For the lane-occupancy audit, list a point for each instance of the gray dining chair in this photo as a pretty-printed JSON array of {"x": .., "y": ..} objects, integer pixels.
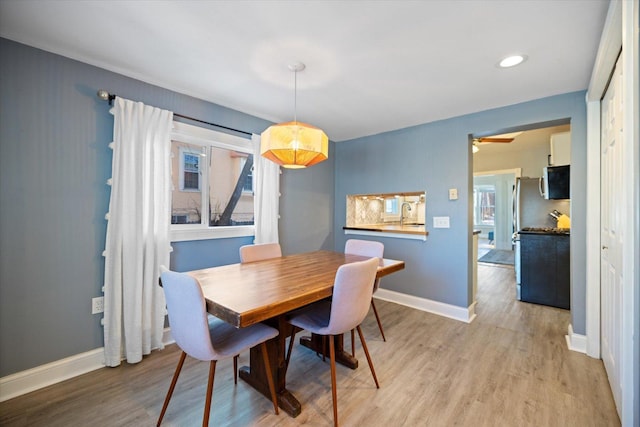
[
  {"x": 347, "y": 309},
  {"x": 253, "y": 253},
  {"x": 372, "y": 249},
  {"x": 207, "y": 338}
]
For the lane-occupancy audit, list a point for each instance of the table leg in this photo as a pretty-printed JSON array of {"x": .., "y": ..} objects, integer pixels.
[
  {"x": 314, "y": 342},
  {"x": 255, "y": 375}
]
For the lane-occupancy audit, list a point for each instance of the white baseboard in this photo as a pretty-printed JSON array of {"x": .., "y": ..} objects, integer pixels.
[
  {"x": 23, "y": 382},
  {"x": 447, "y": 310},
  {"x": 576, "y": 342},
  {"x": 42, "y": 376}
]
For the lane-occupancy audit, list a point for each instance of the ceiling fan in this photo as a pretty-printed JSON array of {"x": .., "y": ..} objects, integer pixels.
[
  {"x": 490, "y": 139},
  {"x": 504, "y": 138}
]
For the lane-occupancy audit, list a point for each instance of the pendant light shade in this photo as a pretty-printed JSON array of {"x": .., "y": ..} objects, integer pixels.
[{"x": 294, "y": 144}]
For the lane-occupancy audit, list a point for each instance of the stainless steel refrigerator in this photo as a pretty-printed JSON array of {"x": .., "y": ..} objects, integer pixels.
[{"x": 531, "y": 209}]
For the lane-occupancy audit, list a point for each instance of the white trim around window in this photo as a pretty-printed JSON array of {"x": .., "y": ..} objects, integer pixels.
[
  {"x": 208, "y": 138},
  {"x": 188, "y": 232}
]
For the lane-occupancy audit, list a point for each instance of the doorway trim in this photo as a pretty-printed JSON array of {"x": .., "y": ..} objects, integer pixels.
[
  {"x": 516, "y": 171},
  {"x": 621, "y": 29}
]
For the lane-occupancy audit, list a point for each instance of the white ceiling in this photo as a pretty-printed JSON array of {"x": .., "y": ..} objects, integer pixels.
[{"x": 372, "y": 66}]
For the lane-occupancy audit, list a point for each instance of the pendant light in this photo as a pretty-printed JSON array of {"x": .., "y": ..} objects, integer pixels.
[{"x": 294, "y": 144}]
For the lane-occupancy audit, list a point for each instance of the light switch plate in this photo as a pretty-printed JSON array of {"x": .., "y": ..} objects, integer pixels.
[
  {"x": 440, "y": 222},
  {"x": 453, "y": 194}
]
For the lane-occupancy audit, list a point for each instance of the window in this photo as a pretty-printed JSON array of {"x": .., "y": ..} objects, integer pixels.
[
  {"x": 391, "y": 209},
  {"x": 391, "y": 206},
  {"x": 189, "y": 170},
  {"x": 212, "y": 193},
  {"x": 484, "y": 205},
  {"x": 186, "y": 199}
]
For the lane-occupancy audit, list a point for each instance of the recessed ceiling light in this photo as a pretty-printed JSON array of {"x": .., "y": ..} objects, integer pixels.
[{"x": 512, "y": 61}]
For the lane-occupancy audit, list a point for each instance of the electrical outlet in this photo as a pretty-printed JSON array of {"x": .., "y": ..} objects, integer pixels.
[{"x": 97, "y": 305}]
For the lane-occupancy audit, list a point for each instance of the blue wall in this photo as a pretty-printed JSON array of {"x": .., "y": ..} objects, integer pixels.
[
  {"x": 206, "y": 253},
  {"x": 54, "y": 162},
  {"x": 435, "y": 157}
]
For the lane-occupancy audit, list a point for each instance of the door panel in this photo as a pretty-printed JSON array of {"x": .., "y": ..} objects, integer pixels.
[{"x": 611, "y": 232}]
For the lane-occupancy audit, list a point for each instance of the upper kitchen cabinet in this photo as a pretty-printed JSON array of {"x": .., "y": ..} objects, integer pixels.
[{"x": 560, "y": 149}]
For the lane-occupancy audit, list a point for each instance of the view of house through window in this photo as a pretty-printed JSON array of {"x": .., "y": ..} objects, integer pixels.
[
  {"x": 186, "y": 202},
  {"x": 189, "y": 174},
  {"x": 212, "y": 184}
]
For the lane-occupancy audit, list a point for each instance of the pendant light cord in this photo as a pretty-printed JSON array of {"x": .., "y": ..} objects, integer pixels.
[
  {"x": 295, "y": 96},
  {"x": 295, "y": 67}
]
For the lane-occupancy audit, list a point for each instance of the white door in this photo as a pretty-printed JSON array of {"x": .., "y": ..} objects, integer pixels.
[
  {"x": 503, "y": 211},
  {"x": 611, "y": 229}
]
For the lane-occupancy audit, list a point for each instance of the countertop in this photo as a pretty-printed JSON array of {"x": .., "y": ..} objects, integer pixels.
[
  {"x": 545, "y": 230},
  {"x": 418, "y": 229}
]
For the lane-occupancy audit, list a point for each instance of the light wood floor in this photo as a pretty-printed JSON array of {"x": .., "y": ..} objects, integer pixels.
[{"x": 509, "y": 367}]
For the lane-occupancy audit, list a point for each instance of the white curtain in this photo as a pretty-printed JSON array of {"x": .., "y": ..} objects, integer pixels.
[
  {"x": 267, "y": 196},
  {"x": 137, "y": 242}
]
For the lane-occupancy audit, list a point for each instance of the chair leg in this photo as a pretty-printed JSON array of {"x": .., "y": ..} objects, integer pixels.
[
  {"x": 235, "y": 369},
  {"x": 267, "y": 368},
  {"x": 207, "y": 402},
  {"x": 334, "y": 396},
  {"x": 324, "y": 346},
  {"x": 366, "y": 352},
  {"x": 353, "y": 344},
  {"x": 171, "y": 387},
  {"x": 378, "y": 319}
]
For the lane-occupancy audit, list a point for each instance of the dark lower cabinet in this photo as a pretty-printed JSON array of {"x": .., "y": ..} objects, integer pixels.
[{"x": 545, "y": 269}]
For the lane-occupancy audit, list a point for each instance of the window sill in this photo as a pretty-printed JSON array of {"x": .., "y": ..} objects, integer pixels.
[{"x": 180, "y": 234}]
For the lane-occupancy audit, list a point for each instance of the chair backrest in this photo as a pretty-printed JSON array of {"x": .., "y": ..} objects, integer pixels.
[
  {"x": 351, "y": 298},
  {"x": 365, "y": 248},
  {"x": 187, "y": 314},
  {"x": 251, "y": 253}
]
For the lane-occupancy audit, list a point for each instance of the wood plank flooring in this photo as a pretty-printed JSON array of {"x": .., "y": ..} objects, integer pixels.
[{"x": 509, "y": 367}]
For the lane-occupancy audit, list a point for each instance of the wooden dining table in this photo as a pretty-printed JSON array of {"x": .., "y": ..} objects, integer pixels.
[{"x": 265, "y": 291}]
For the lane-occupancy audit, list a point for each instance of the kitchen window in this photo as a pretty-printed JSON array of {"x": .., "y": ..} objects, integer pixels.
[
  {"x": 212, "y": 194},
  {"x": 391, "y": 209}
]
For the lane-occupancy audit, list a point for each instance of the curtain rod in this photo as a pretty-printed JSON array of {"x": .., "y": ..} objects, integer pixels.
[{"x": 106, "y": 96}]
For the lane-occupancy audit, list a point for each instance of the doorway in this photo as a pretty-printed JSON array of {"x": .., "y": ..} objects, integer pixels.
[
  {"x": 493, "y": 206},
  {"x": 493, "y": 215},
  {"x": 499, "y": 163}
]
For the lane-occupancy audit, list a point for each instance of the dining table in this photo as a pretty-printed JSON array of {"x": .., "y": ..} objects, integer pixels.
[{"x": 266, "y": 291}]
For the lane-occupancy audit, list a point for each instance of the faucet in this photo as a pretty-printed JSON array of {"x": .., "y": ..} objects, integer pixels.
[{"x": 408, "y": 205}]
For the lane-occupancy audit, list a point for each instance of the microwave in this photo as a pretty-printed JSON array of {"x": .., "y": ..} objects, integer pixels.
[{"x": 556, "y": 182}]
